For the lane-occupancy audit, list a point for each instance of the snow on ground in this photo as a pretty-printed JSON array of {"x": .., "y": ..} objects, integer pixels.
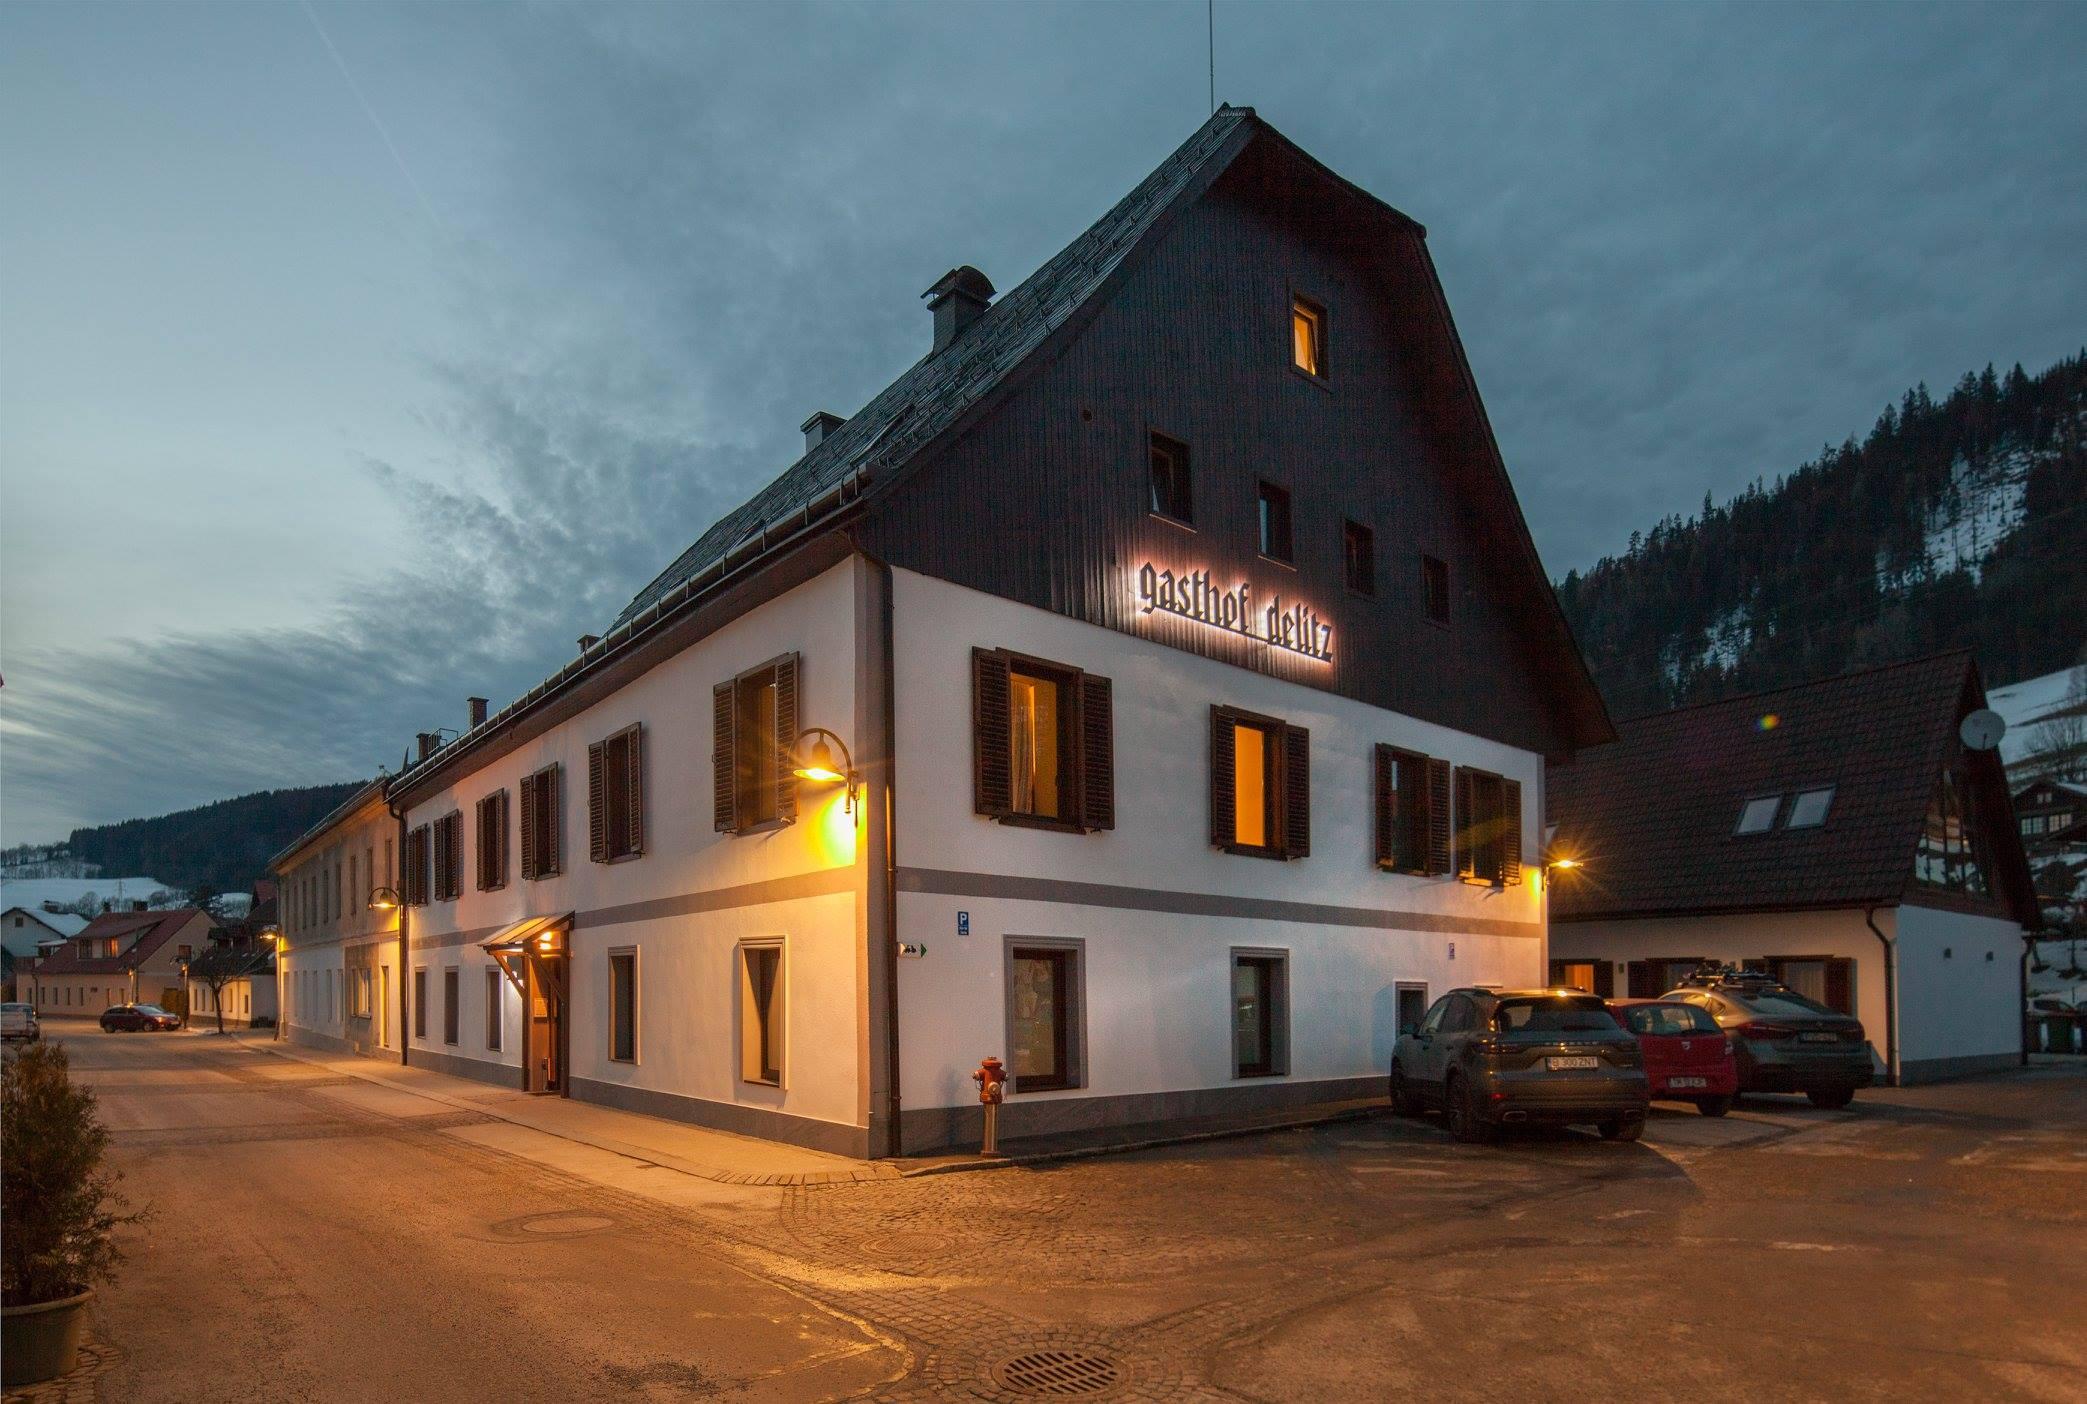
[
  {"x": 1985, "y": 502},
  {"x": 34, "y": 892},
  {"x": 2024, "y": 704}
]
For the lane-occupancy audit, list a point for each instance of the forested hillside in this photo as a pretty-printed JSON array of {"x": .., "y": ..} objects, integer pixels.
[
  {"x": 226, "y": 844},
  {"x": 1955, "y": 523}
]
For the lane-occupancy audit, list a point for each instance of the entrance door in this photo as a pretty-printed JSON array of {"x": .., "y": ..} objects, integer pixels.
[{"x": 545, "y": 1002}]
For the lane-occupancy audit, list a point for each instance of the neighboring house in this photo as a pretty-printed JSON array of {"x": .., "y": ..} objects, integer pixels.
[
  {"x": 1197, "y": 672},
  {"x": 1838, "y": 833},
  {"x": 240, "y": 975},
  {"x": 117, "y": 958},
  {"x": 2052, "y": 818},
  {"x": 23, "y": 929},
  {"x": 334, "y": 902}
]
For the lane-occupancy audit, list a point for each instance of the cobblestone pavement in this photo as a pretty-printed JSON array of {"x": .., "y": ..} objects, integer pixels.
[{"x": 1907, "y": 1247}]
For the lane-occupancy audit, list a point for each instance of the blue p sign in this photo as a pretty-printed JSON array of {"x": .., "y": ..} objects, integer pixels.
[{"x": 963, "y": 923}]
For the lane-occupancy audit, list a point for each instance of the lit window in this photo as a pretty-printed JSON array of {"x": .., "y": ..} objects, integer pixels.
[
  {"x": 1434, "y": 589},
  {"x": 1759, "y": 815},
  {"x": 1808, "y": 810},
  {"x": 753, "y": 751},
  {"x": 1039, "y": 736},
  {"x": 761, "y": 1014},
  {"x": 1172, "y": 494},
  {"x": 1308, "y": 336},
  {"x": 1359, "y": 557},
  {"x": 1275, "y": 522},
  {"x": 623, "y": 1006},
  {"x": 1253, "y": 779}
]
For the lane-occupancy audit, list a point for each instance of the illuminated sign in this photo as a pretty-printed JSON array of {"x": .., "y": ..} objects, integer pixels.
[{"x": 1294, "y": 628}]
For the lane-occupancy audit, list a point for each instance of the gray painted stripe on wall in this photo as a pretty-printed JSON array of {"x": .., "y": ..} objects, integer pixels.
[
  {"x": 944, "y": 883},
  {"x": 826, "y": 882}
]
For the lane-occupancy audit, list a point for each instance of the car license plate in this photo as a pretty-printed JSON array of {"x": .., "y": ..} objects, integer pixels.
[
  {"x": 1688, "y": 1082},
  {"x": 1560, "y": 1064},
  {"x": 1819, "y": 1038}
]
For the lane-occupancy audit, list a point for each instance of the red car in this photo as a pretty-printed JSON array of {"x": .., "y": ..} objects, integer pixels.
[
  {"x": 1687, "y": 1056},
  {"x": 137, "y": 1018}
]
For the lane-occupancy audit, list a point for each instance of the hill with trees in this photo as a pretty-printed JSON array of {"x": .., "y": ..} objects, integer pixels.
[
  {"x": 224, "y": 846},
  {"x": 1954, "y": 523}
]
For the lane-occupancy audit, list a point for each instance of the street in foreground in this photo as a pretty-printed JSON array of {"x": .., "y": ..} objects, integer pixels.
[{"x": 319, "y": 1236}]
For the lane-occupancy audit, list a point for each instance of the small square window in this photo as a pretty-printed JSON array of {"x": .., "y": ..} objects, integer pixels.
[
  {"x": 1434, "y": 589},
  {"x": 1275, "y": 522},
  {"x": 1308, "y": 336},
  {"x": 1759, "y": 815},
  {"x": 1808, "y": 810},
  {"x": 1359, "y": 557},
  {"x": 1172, "y": 492}
]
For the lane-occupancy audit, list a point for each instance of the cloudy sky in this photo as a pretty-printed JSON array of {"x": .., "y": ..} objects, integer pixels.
[{"x": 355, "y": 358}]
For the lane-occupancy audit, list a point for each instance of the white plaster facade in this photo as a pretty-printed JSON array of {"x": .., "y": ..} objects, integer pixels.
[{"x": 329, "y": 929}]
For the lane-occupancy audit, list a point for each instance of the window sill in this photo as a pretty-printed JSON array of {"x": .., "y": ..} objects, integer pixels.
[
  {"x": 1323, "y": 382},
  {"x": 1244, "y": 851},
  {"x": 1039, "y": 821},
  {"x": 1254, "y": 1075},
  {"x": 1171, "y": 521},
  {"x": 766, "y": 826},
  {"x": 1050, "y": 1086},
  {"x": 1275, "y": 560},
  {"x": 762, "y": 1082},
  {"x": 622, "y": 858}
]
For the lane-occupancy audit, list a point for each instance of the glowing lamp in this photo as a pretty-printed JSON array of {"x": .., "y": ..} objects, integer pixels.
[
  {"x": 818, "y": 764},
  {"x": 815, "y": 763},
  {"x": 383, "y": 899}
]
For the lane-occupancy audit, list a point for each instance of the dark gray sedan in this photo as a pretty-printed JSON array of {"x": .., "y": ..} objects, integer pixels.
[{"x": 1493, "y": 1058}]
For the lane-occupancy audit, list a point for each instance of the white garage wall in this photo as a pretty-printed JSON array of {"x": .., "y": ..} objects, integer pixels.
[{"x": 1960, "y": 991}]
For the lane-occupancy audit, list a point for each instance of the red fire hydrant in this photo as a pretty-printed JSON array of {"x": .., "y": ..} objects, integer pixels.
[{"x": 992, "y": 1088}]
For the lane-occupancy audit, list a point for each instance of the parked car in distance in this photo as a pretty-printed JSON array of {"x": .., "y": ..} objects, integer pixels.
[
  {"x": 18, "y": 1023},
  {"x": 137, "y": 1018},
  {"x": 1781, "y": 1040},
  {"x": 1687, "y": 1056},
  {"x": 1494, "y": 1058}
]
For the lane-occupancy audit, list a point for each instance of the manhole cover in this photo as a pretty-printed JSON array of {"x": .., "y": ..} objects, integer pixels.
[
  {"x": 1057, "y": 1372},
  {"x": 557, "y": 1223},
  {"x": 910, "y": 1243}
]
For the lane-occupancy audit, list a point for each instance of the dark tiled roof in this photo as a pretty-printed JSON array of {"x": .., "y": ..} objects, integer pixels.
[
  {"x": 936, "y": 391},
  {"x": 1653, "y": 814},
  {"x": 152, "y": 930}
]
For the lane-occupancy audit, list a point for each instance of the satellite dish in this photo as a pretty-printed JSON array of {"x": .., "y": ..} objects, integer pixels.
[{"x": 1982, "y": 729}]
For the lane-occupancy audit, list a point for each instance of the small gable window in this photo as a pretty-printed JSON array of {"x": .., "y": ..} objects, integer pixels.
[
  {"x": 1808, "y": 810},
  {"x": 1172, "y": 496},
  {"x": 1759, "y": 815},
  {"x": 1308, "y": 336}
]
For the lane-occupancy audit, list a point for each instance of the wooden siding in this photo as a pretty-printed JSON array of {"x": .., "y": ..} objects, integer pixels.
[{"x": 1044, "y": 500}]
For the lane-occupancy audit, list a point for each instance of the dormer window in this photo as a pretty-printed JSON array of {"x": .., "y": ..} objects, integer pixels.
[
  {"x": 1308, "y": 337},
  {"x": 1759, "y": 815},
  {"x": 1808, "y": 810}
]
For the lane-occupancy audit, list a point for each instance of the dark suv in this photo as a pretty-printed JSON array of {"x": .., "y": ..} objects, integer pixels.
[
  {"x": 1490, "y": 1058},
  {"x": 1782, "y": 1041}
]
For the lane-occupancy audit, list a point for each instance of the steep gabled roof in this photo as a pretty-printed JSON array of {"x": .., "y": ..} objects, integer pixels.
[
  {"x": 152, "y": 931},
  {"x": 939, "y": 389},
  {"x": 1654, "y": 816}
]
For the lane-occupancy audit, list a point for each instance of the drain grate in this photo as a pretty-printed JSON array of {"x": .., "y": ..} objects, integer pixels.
[{"x": 1057, "y": 1372}]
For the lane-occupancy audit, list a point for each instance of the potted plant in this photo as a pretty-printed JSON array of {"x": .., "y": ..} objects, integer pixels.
[{"x": 58, "y": 1213}]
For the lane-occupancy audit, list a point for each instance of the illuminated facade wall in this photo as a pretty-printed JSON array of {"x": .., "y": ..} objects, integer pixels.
[
  {"x": 329, "y": 928},
  {"x": 1157, "y": 1012}
]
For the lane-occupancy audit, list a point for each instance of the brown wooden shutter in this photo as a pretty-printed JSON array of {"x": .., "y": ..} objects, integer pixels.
[
  {"x": 1605, "y": 979},
  {"x": 1224, "y": 781},
  {"x": 1510, "y": 822},
  {"x": 724, "y": 776},
  {"x": 634, "y": 788},
  {"x": 441, "y": 851},
  {"x": 530, "y": 819},
  {"x": 786, "y": 737},
  {"x": 992, "y": 778},
  {"x": 1438, "y": 816},
  {"x": 1097, "y": 732},
  {"x": 552, "y": 821},
  {"x": 1644, "y": 980},
  {"x": 1840, "y": 986},
  {"x": 1463, "y": 828},
  {"x": 1297, "y": 792},
  {"x": 1385, "y": 798},
  {"x": 598, "y": 801}
]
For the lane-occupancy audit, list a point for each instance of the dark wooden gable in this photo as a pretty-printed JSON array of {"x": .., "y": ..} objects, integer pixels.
[{"x": 1045, "y": 499}]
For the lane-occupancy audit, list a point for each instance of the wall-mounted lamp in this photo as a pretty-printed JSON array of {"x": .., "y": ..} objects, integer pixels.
[
  {"x": 383, "y": 899},
  {"x": 817, "y": 764}
]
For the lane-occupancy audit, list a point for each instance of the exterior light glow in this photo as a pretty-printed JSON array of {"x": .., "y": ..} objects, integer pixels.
[
  {"x": 818, "y": 765},
  {"x": 1566, "y": 863},
  {"x": 383, "y": 899},
  {"x": 815, "y": 763}
]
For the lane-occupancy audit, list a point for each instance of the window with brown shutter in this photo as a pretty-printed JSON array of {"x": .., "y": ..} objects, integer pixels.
[
  {"x": 539, "y": 828},
  {"x": 1438, "y": 815},
  {"x": 1260, "y": 785},
  {"x": 1402, "y": 810},
  {"x": 616, "y": 795},
  {"x": 492, "y": 841},
  {"x": 449, "y": 857},
  {"x": 1043, "y": 742},
  {"x": 1488, "y": 827},
  {"x": 753, "y": 747},
  {"x": 416, "y": 874}
]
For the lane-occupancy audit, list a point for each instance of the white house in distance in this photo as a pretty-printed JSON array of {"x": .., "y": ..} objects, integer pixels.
[
  {"x": 1172, "y": 672},
  {"x": 1838, "y": 833},
  {"x": 337, "y": 914}
]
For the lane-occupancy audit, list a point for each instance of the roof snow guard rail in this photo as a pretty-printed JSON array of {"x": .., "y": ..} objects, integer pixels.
[{"x": 782, "y": 530}]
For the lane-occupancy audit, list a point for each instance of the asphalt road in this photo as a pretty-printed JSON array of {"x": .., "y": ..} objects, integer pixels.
[{"x": 321, "y": 1238}]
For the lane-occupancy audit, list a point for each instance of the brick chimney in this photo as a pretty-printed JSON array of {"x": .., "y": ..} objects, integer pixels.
[
  {"x": 959, "y": 298},
  {"x": 478, "y": 710}
]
